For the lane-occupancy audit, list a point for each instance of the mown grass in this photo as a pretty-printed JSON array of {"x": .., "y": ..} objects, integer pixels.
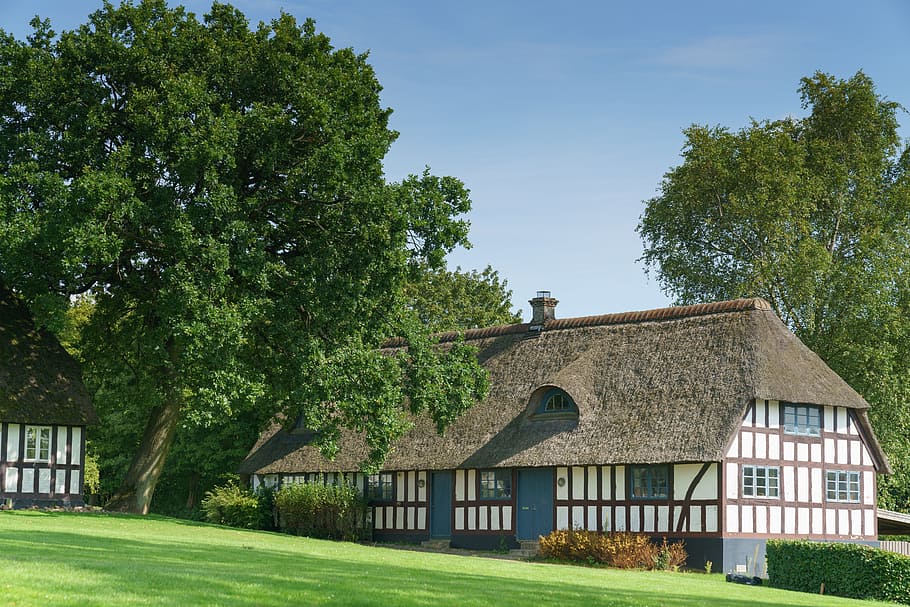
[{"x": 52, "y": 559}]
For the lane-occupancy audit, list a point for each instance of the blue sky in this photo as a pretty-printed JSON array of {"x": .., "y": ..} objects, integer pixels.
[{"x": 562, "y": 117}]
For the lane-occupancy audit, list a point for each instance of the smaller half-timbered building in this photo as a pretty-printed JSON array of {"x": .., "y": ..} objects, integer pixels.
[
  {"x": 709, "y": 423},
  {"x": 44, "y": 410}
]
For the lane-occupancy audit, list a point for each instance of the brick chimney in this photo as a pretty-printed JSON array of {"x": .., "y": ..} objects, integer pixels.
[{"x": 543, "y": 307}]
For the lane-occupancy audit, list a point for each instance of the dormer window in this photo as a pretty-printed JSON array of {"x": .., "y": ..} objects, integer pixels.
[{"x": 552, "y": 402}]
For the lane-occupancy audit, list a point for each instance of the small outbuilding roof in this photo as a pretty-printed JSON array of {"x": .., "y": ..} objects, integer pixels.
[
  {"x": 40, "y": 382},
  {"x": 665, "y": 385}
]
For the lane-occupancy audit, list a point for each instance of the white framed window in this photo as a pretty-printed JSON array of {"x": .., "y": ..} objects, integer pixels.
[
  {"x": 761, "y": 481},
  {"x": 37, "y": 443},
  {"x": 842, "y": 486},
  {"x": 802, "y": 420}
]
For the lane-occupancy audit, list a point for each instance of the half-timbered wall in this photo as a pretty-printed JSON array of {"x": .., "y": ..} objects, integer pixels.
[
  {"x": 474, "y": 515},
  {"x": 597, "y": 498},
  {"x": 405, "y": 512},
  {"x": 802, "y": 507},
  {"x": 56, "y": 477}
]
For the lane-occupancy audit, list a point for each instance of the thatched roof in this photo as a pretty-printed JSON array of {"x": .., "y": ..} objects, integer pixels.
[
  {"x": 667, "y": 385},
  {"x": 39, "y": 382}
]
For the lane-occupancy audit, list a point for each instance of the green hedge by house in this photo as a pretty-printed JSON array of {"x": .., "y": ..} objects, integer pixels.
[
  {"x": 848, "y": 570},
  {"x": 323, "y": 511},
  {"x": 236, "y": 506}
]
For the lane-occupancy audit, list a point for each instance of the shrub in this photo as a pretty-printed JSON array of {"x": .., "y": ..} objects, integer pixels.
[
  {"x": 848, "y": 570},
  {"x": 323, "y": 511},
  {"x": 622, "y": 550},
  {"x": 233, "y": 506}
]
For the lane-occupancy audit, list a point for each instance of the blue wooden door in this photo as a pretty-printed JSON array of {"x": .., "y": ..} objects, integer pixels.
[
  {"x": 441, "y": 504},
  {"x": 534, "y": 503}
]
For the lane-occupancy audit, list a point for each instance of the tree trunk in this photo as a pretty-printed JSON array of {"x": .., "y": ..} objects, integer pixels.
[
  {"x": 195, "y": 479},
  {"x": 138, "y": 486}
]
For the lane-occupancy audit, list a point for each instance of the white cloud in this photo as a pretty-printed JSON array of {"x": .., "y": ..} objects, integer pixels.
[{"x": 722, "y": 52}]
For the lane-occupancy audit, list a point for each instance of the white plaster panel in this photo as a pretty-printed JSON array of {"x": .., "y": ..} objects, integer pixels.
[
  {"x": 841, "y": 420},
  {"x": 761, "y": 520},
  {"x": 817, "y": 486},
  {"x": 711, "y": 519},
  {"x": 773, "y": 414},
  {"x": 773, "y": 446},
  {"x": 818, "y": 521},
  {"x": 855, "y": 457},
  {"x": 592, "y": 483},
  {"x": 411, "y": 485},
  {"x": 803, "y": 519},
  {"x": 707, "y": 487},
  {"x": 76, "y": 482},
  {"x": 472, "y": 485},
  {"x": 578, "y": 483},
  {"x": 747, "y": 523},
  {"x": 856, "y": 522},
  {"x": 459, "y": 519},
  {"x": 843, "y": 522},
  {"x": 60, "y": 482},
  {"x": 869, "y": 487},
  {"x": 677, "y": 514},
  {"x": 605, "y": 483},
  {"x": 761, "y": 409},
  {"x": 620, "y": 482},
  {"x": 12, "y": 443},
  {"x": 789, "y": 520},
  {"x": 802, "y": 484},
  {"x": 399, "y": 517},
  {"x": 802, "y": 452},
  {"x": 605, "y": 518},
  {"x": 28, "y": 480},
  {"x": 732, "y": 518},
  {"x": 412, "y": 517},
  {"x": 562, "y": 517},
  {"x": 649, "y": 520},
  {"x": 663, "y": 519},
  {"x": 869, "y": 520},
  {"x": 399, "y": 484},
  {"x": 459, "y": 486},
  {"x": 494, "y": 518},
  {"x": 843, "y": 455},
  {"x": 789, "y": 451},
  {"x": 60, "y": 455},
  {"x": 507, "y": 518},
  {"x": 775, "y": 522},
  {"x": 562, "y": 493},
  {"x": 831, "y": 522},
  {"x": 867, "y": 457},
  {"x": 621, "y": 519},
  {"x": 815, "y": 453},
  {"x": 482, "y": 523},
  {"x": 828, "y": 414},
  {"x": 695, "y": 519},
  {"x": 733, "y": 451},
  {"x": 732, "y": 481},
  {"x": 422, "y": 491},
  {"x": 634, "y": 516},
  {"x": 472, "y": 518},
  {"x": 592, "y": 518},
  {"x": 747, "y": 420},
  {"x": 421, "y": 518},
  {"x": 747, "y": 440},
  {"x": 683, "y": 475},
  {"x": 11, "y": 480},
  {"x": 761, "y": 446},
  {"x": 377, "y": 518},
  {"x": 789, "y": 484},
  {"x": 830, "y": 451}
]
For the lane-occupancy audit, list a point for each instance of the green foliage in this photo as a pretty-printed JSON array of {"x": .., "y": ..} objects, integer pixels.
[
  {"x": 456, "y": 300},
  {"x": 323, "y": 511},
  {"x": 812, "y": 214},
  {"x": 849, "y": 570},
  {"x": 91, "y": 476},
  {"x": 218, "y": 192},
  {"x": 894, "y": 538},
  {"x": 621, "y": 550},
  {"x": 233, "y": 506}
]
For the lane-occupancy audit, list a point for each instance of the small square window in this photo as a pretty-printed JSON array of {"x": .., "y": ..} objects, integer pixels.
[
  {"x": 495, "y": 484},
  {"x": 761, "y": 481},
  {"x": 842, "y": 486},
  {"x": 802, "y": 420},
  {"x": 379, "y": 487},
  {"x": 650, "y": 482},
  {"x": 38, "y": 443}
]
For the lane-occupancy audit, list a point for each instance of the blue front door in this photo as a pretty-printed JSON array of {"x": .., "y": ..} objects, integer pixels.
[
  {"x": 441, "y": 504},
  {"x": 534, "y": 503}
]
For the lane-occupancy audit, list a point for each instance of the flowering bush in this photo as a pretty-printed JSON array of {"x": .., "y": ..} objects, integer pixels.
[{"x": 622, "y": 550}]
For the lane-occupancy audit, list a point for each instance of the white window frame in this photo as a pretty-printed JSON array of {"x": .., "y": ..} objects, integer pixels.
[
  {"x": 842, "y": 482},
  {"x": 802, "y": 420},
  {"x": 761, "y": 482},
  {"x": 38, "y": 444}
]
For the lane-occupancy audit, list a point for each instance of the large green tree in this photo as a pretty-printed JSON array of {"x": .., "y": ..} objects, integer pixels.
[
  {"x": 812, "y": 214},
  {"x": 218, "y": 190}
]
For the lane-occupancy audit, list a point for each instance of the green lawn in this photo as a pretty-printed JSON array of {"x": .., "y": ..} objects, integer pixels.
[{"x": 51, "y": 559}]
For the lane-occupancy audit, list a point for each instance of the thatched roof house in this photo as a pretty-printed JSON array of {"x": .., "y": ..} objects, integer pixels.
[
  {"x": 674, "y": 388},
  {"x": 44, "y": 408}
]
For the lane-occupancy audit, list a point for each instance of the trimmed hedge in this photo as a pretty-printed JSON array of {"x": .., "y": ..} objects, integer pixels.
[
  {"x": 323, "y": 511},
  {"x": 848, "y": 570}
]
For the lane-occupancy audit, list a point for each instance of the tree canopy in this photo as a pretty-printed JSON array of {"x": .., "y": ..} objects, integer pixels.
[
  {"x": 218, "y": 190},
  {"x": 812, "y": 214}
]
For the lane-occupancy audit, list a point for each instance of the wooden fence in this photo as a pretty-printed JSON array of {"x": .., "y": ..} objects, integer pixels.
[{"x": 898, "y": 547}]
